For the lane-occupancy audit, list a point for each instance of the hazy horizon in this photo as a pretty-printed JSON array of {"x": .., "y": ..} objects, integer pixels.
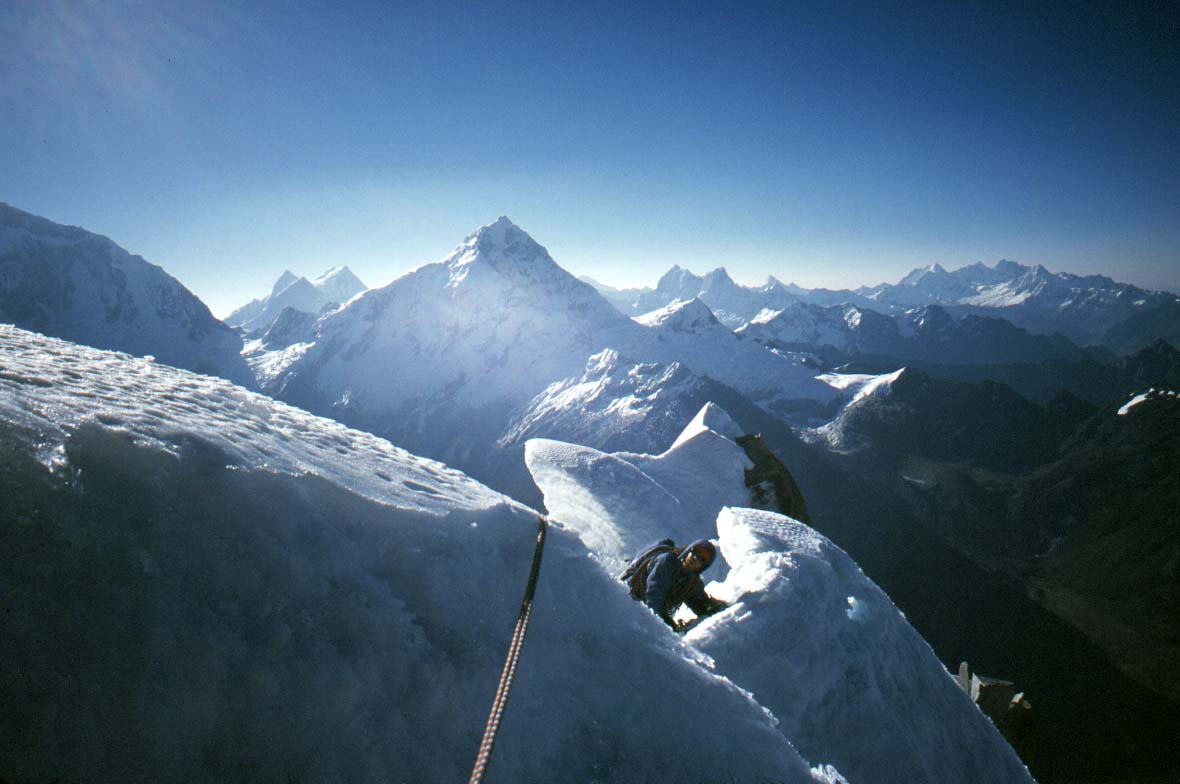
[{"x": 831, "y": 146}]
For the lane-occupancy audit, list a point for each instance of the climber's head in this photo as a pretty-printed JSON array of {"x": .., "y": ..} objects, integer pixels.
[{"x": 698, "y": 556}]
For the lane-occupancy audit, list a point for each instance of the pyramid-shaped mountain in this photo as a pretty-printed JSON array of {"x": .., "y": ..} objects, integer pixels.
[{"x": 442, "y": 359}]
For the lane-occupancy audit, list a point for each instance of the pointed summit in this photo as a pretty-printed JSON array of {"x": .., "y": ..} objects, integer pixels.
[
  {"x": 499, "y": 232},
  {"x": 711, "y": 417},
  {"x": 920, "y": 274},
  {"x": 503, "y": 246},
  {"x": 717, "y": 279},
  {"x": 678, "y": 281},
  {"x": 285, "y": 280},
  {"x": 339, "y": 284},
  {"x": 682, "y": 315},
  {"x": 1010, "y": 269}
]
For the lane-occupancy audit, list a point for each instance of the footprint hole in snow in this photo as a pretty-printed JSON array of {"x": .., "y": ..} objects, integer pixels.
[{"x": 419, "y": 488}]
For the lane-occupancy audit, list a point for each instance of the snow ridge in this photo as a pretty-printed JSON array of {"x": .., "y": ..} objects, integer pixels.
[{"x": 807, "y": 634}]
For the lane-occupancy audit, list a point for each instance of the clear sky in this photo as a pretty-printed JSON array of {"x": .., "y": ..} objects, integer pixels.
[{"x": 827, "y": 144}]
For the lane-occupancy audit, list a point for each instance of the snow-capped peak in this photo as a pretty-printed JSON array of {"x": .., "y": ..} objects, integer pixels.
[
  {"x": 918, "y": 275},
  {"x": 503, "y": 246},
  {"x": 1010, "y": 268},
  {"x": 681, "y": 315},
  {"x": 498, "y": 235},
  {"x": 710, "y": 417},
  {"x": 338, "y": 284},
  {"x": 717, "y": 278},
  {"x": 285, "y": 280},
  {"x": 676, "y": 280}
]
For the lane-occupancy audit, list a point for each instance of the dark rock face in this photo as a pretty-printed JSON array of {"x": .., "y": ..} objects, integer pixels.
[
  {"x": 292, "y": 326},
  {"x": 771, "y": 484},
  {"x": 1008, "y": 709},
  {"x": 1143, "y": 329}
]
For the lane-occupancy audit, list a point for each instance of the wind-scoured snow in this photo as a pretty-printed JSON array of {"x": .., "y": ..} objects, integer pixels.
[
  {"x": 200, "y": 584},
  {"x": 858, "y": 385},
  {"x": 807, "y": 633},
  {"x": 53, "y": 388}
]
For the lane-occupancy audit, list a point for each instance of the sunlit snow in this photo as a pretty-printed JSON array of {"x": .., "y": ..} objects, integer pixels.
[{"x": 808, "y": 634}]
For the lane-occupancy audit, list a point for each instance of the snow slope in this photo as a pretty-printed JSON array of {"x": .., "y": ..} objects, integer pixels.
[
  {"x": 688, "y": 329},
  {"x": 201, "y": 584},
  {"x": 70, "y": 283},
  {"x": 807, "y": 633},
  {"x": 615, "y": 401}
]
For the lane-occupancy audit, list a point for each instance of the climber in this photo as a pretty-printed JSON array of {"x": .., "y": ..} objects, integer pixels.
[{"x": 664, "y": 576}]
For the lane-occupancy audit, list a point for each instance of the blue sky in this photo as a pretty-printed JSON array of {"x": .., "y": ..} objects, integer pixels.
[{"x": 830, "y": 146}]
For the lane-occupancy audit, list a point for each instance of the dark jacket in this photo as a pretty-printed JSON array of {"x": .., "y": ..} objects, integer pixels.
[{"x": 669, "y": 585}]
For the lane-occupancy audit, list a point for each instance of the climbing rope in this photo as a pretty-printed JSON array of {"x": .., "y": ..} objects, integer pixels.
[{"x": 509, "y": 673}]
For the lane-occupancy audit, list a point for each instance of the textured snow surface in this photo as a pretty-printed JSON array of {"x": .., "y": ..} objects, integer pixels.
[
  {"x": 852, "y": 683},
  {"x": 200, "y": 584},
  {"x": 808, "y": 634},
  {"x": 53, "y": 387}
]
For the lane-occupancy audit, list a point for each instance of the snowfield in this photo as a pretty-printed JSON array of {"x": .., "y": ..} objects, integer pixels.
[{"x": 202, "y": 584}]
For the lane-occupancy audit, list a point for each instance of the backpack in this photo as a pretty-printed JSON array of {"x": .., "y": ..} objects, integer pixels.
[{"x": 637, "y": 570}]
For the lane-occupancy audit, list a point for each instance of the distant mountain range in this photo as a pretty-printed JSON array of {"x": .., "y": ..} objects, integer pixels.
[
  {"x": 333, "y": 287},
  {"x": 928, "y": 333},
  {"x": 1082, "y": 308}
]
